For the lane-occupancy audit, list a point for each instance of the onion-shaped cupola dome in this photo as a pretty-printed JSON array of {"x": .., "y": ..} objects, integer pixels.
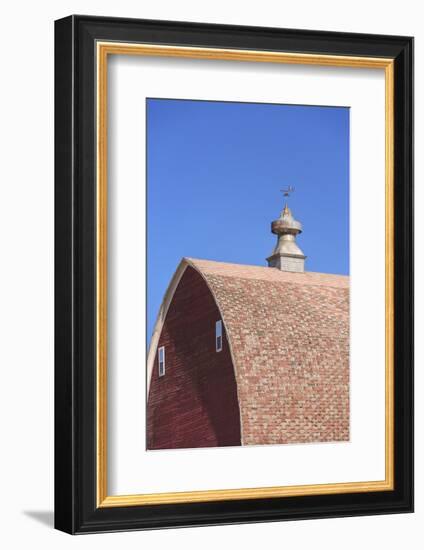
[{"x": 287, "y": 255}]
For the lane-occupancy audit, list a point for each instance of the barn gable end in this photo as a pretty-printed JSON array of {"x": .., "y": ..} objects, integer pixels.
[{"x": 194, "y": 404}]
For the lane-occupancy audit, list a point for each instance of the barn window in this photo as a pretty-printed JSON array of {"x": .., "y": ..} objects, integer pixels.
[
  {"x": 218, "y": 335},
  {"x": 161, "y": 360}
]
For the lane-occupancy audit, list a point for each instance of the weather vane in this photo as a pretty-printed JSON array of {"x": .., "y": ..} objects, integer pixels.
[{"x": 288, "y": 191}]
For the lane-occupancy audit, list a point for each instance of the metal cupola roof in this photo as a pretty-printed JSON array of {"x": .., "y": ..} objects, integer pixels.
[{"x": 287, "y": 255}]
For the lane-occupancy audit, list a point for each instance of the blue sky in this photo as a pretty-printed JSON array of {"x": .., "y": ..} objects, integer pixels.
[{"x": 214, "y": 174}]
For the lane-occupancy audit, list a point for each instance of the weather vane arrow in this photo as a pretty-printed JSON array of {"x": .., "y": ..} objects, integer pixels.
[{"x": 288, "y": 191}]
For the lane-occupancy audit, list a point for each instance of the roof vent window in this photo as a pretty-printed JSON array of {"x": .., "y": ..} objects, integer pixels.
[
  {"x": 161, "y": 360},
  {"x": 218, "y": 335}
]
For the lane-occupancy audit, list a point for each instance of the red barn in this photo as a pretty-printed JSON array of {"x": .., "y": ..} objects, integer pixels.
[{"x": 248, "y": 355}]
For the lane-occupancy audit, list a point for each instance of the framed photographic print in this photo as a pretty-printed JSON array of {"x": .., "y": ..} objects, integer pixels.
[{"x": 234, "y": 270}]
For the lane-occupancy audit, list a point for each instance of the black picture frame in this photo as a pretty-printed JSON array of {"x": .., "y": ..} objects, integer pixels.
[{"x": 76, "y": 508}]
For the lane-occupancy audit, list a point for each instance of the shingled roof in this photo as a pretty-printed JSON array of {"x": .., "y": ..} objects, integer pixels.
[{"x": 289, "y": 340}]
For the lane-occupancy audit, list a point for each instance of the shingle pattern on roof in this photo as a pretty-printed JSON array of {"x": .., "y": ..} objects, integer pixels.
[{"x": 289, "y": 336}]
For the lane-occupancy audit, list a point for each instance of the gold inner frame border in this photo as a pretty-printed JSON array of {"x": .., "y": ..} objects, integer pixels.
[{"x": 103, "y": 50}]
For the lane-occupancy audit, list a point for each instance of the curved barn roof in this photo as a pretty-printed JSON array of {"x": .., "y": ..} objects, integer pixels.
[{"x": 289, "y": 340}]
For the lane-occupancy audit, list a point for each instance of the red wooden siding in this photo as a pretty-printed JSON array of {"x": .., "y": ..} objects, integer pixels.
[{"x": 195, "y": 403}]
